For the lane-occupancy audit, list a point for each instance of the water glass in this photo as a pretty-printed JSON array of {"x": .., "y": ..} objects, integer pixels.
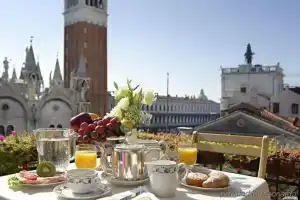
[
  {"x": 187, "y": 153},
  {"x": 86, "y": 156},
  {"x": 53, "y": 145}
]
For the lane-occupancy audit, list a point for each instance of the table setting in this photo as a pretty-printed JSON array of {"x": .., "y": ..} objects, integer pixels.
[{"x": 128, "y": 167}]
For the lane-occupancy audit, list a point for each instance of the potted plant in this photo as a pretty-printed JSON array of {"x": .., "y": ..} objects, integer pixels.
[{"x": 284, "y": 163}]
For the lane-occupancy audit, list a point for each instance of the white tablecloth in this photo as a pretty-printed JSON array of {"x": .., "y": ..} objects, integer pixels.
[{"x": 242, "y": 188}]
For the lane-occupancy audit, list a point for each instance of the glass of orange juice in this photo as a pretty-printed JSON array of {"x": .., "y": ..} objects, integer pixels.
[
  {"x": 86, "y": 156},
  {"x": 187, "y": 153}
]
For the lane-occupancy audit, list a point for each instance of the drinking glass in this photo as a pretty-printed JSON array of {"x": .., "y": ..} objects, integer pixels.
[
  {"x": 53, "y": 145},
  {"x": 187, "y": 153},
  {"x": 86, "y": 156}
]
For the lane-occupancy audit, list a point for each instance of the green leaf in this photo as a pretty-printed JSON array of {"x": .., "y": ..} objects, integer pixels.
[
  {"x": 136, "y": 87},
  {"x": 14, "y": 183},
  {"x": 116, "y": 85},
  {"x": 129, "y": 85}
]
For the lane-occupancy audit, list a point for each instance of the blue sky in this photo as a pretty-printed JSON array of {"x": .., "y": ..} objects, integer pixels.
[{"x": 190, "y": 39}]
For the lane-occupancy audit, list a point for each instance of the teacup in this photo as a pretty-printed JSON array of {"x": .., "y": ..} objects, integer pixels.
[
  {"x": 164, "y": 176},
  {"x": 82, "y": 181}
]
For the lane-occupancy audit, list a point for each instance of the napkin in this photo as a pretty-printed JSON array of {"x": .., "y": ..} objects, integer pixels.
[{"x": 140, "y": 193}]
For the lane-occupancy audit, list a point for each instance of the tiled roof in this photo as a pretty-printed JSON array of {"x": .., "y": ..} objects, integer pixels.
[
  {"x": 294, "y": 120},
  {"x": 280, "y": 122},
  {"x": 266, "y": 116}
]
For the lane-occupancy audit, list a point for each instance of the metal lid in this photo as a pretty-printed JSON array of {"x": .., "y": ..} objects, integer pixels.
[
  {"x": 148, "y": 142},
  {"x": 129, "y": 147}
]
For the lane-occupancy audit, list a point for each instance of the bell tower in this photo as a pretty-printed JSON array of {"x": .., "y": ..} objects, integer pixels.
[{"x": 86, "y": 33}]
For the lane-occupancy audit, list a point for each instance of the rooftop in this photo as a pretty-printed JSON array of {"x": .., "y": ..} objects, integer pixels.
[{"x": 249, "y": 68}]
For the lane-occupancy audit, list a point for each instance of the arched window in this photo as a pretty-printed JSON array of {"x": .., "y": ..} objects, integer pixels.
[
  {"x": 51, "y": 126},
  {"x": 59, "y": 126},
  {"x": 9, "y": 129},
  {"x": 2, "y": 130}
]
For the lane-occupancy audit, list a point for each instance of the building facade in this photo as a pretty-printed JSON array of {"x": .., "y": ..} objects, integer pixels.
[
  {"x": 26, "y": 105},
  {"x": 260, "y": 86},
  {"x": 86, "y": 33},
  {"x": 172, "y": 112},
  {"x": 249, "y": 83}
]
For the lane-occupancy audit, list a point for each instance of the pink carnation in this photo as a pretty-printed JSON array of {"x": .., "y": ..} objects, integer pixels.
[
  {"x": 14, "y": 132},
  {"x": 2, "y": 137}
]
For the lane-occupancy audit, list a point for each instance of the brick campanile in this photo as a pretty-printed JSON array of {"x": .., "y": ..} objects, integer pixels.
[{"x": 86, "y": 33}]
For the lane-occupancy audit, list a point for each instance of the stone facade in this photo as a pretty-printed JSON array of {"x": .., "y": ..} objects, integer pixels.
[
  {"x": 260, "y": 86},
  {"x": 25, "y": 105}
]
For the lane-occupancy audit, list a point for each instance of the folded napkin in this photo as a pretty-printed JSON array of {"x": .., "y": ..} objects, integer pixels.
[{"x": 135, "y": 194}]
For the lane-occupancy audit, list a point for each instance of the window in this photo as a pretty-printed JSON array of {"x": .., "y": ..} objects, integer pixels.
[
  {"x": 295, "y": 108},
  {"x": 243, "y": 89},
  {"x": 85, "y": 45},
  {"x": 85, "y": 30},
  {"x": 51, "y": 126},
  {"x": 59, "y": 126},
  {"x": 275, "y": 108},
  {"x": 2, "y": 130},
  {"x": 9, "y": 129}
]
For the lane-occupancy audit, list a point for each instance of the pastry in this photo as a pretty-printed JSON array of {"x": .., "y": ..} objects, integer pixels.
[
  {"x": 196, "y": 179},
  {"x": 216, "y": 180}
]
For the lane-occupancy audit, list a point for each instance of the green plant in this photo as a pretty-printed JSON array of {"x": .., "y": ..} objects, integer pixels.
[{"x": 16, "y": 150}]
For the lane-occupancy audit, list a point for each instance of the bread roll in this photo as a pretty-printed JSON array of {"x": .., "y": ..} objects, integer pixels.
[
  {"x": 216, "y": 180},
  {"x": 196, "y": 179}
]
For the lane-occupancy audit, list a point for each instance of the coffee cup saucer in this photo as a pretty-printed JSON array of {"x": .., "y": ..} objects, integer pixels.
[
  {"x": 123, "y": 183},
  {"x": 64, "y": 191}
]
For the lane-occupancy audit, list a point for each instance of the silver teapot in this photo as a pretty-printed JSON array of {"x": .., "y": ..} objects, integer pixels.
[{"x": 127, "y": 161}]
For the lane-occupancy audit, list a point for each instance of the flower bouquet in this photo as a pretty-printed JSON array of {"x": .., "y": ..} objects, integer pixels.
[{"x": 129, "y": 103}]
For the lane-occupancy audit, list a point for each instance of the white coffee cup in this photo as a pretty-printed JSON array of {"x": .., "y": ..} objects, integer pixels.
[
  {"x": 164, "y": 177},
  {"x": 82, "y": 181}
]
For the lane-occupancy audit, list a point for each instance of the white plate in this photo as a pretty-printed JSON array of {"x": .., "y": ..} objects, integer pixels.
[
  {"x": 38, "y": 184},
  {"x": 65, "y": 192},
  {"x": 202, "y": 188},
  {"x": 123, "y": 182}
]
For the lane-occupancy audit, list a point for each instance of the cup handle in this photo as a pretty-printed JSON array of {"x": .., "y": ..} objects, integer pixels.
[{"x": 186, "y": 170}]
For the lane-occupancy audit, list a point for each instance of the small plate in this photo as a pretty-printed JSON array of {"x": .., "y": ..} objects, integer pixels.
[
  {"x": 204, "y": 189},
  {"x": 65, "y": 192},
  {"x": 123, "y": 183},
  {"x": 39, "y": 184},
  {"x": 42, "y": 185}
]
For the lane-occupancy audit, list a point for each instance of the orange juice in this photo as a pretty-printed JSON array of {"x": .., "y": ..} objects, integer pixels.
[
  {"x": 85, "y": 159},
  {"x": 187, "y": 155}
]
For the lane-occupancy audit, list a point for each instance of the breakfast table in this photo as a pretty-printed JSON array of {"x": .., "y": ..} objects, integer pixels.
[{"x": 242, "y": 188}]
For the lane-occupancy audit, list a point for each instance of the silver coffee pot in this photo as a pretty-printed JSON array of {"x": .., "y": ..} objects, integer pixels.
[{"x": 126, "y": 162}]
